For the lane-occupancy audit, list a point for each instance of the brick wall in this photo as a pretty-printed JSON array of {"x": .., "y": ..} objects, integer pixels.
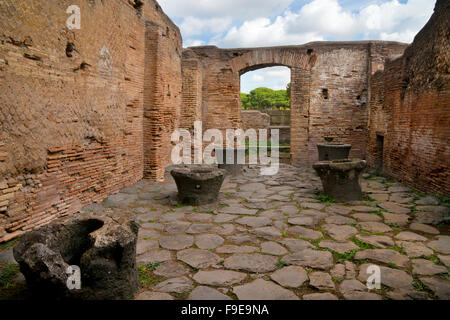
[
  {"x": 162, "y": 96},
  {"x": 410, "y": 108},
  {"x": 192, "y": 94},
  {"x": 329, "y": 84},
  {"x": 72, "y": 104},
  {"x": 254, "y": 119},
  {"x": 280, "y": 117}
]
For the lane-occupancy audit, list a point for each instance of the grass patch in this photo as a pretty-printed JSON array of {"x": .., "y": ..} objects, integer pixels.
[
  {"x": 433, "y": 259},
  {"x": 8, "y": 272},
  {"x": 180, "y": 205},
  {"x": 393, "y": 265},
  {"x": 417, "y": 192},
  {"x": 328, "y": 200},
  {"x": 446, "y": 276},
  {"x": 444, "y": 200},
  {"x": 8, "y": 245},
  {"x": 368, "y": 198},
  {"x": 398, "y": 249},
  {"x": 342, "y": 257},
  {"x": 146, "y": 276},
  {"x": 281, "y": 264},
  {"x": 418, "y": 285},
  {"x": 363, "y": 231},
  {"x": 336, "y": 280},
  {"x": 315, "y": 242},
  {"x": 362, "y": 245}
]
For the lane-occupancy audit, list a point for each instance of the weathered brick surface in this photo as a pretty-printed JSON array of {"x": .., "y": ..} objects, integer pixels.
[
  {"x": 410, "y": 108},
  {"x": 329, "y": 83},
  {"x": 162, "y": 96},
  {"x": 73, "y": 102},
  {"x": 84, "y": 113},
  {"x": 192, "y": 94},
  {"x": 254, "y": 119}
]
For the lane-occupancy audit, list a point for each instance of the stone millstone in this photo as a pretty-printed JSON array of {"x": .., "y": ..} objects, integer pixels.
[
  {"x": 198, "y": 185},
  {"x": 341, "y": 178},
  {"x": 101, "y": 244}
]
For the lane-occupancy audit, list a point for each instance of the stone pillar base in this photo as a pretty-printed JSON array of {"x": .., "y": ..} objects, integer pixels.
[{"x": 341, "y": 178}]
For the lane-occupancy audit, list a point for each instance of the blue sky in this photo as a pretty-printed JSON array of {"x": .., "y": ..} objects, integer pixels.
[{"x": 259, "y": 23}]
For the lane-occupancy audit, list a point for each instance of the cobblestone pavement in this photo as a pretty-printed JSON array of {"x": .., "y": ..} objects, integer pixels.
[{"x": 275, "y": 238}]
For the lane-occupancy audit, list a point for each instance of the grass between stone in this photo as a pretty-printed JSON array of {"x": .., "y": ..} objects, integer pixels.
[{"x": 147, "y": 278}]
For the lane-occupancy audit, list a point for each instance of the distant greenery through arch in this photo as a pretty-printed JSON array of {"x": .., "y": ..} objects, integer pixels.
[{"x": 267, "y": 99}]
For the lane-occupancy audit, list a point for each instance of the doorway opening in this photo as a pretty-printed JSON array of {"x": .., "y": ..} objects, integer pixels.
[{"x": 266, "y": 104}]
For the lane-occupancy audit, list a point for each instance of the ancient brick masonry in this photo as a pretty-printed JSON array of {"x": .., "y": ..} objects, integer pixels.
[
  {"x": 85, "y": 113},
  {"x": 410, "y": 107},
  {"x": 329, "y": 89},
  {"x": 192, "y": 93},
  {"x": 73, "y": 103},
  {"x": 162, "y": 96}
]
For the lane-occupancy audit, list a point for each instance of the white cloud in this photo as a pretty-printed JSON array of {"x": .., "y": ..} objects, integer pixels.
[
  {"x": 257, "y": 78},
  {"x": 325, "y": 17},
  {"x": 193, "y": 43},
  {"x": 261, "y": 32},
  {"x": 194, "y": 26},
  {"x": 275, "y": 78},
  {"x": 238, "y": 9},
  {"x": 328, "y": 20},
  {"x": 394, "y": 20}
]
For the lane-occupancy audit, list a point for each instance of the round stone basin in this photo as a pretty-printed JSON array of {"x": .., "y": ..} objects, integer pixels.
[
  {"x": 341, "y": 178},
  {"x": 333, "y": 151},
  {"x": 198, "y": 185}
]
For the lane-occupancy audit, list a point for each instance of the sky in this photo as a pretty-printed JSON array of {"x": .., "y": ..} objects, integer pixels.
[{"x": 263, "y": 23}]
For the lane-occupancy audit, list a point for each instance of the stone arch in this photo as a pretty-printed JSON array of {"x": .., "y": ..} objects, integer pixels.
[
  {"x": 267, "y": 57},
  {"x": 329, "y": 89},
  {"x": 300, "y": 63}
]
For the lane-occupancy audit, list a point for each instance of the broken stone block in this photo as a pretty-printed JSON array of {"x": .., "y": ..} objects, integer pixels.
[
  {"x": 341, "y": 178},
  {"x": 101, "y": 244},
  {"x": 198, "y": 185}
]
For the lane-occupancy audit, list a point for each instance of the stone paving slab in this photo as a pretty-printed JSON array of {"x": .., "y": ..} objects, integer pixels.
[{"x": 272, "y": 238}]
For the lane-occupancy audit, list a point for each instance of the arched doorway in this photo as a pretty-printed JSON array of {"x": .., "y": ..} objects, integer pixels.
[{"x": 266, "y": 104}]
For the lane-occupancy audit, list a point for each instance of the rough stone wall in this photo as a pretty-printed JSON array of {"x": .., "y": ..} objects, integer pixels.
[
  {"x": 329, "y": 85},
  {"x": 254, "y": 119},
  {"x": 72, "y": 105},
  {"x": 410, "y": 107}
]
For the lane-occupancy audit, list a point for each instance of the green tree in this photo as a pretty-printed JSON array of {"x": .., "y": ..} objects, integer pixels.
[
  {"x": 265, "y": 99},
  {"x": 245, "y": 101}
]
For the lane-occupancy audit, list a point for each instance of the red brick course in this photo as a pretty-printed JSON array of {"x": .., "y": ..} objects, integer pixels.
[{"x": 73, "y": 102}]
